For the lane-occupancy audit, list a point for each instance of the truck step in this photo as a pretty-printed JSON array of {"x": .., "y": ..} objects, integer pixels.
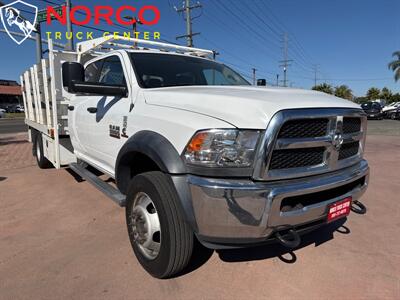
[{"x": 104, "y": 187}]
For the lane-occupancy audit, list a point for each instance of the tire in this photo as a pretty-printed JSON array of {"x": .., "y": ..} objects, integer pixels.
[
  {"x": 152, "y": 196},
  {"x": 41, "y": 160},
  {"x": 393, "y": 116}
]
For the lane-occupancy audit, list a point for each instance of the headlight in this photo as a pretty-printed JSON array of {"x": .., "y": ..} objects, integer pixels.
[{"x": 222, "y": 148}]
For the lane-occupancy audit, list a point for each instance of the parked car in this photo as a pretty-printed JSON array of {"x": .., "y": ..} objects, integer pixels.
[
  {"x": 387, "y": 110},
  {"x": 14, "y": 108},
  {"x": 373, "y": 110},
  {"x": 2, "y": 113},
  {"x": 19, "y": 109},
  {"x": 394, "y": 114}
]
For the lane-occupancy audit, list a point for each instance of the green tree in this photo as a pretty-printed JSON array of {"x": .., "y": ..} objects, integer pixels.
[
  {"x": 395, "y": 98},
  {"x": 361, "y": 100},
  {"x": 324, "y": 87},
  {"x": 386, "y": 94},
  {"x": 373, "y": 93},
  {"x": 343, "y": 91},
  {"x": 395, "y": 65}
]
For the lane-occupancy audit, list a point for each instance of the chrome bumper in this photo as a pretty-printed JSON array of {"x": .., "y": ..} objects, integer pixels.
[{"x": 246, "y": 211}]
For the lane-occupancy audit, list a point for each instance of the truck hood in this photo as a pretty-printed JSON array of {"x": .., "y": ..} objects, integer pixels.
[{"x": 243, "y": 107}]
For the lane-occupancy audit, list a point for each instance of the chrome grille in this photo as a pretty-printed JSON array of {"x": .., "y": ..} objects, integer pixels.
[
  {"x": 348, "y": 150},
  {"x": 296, "y": 158},
  {"x": 306, "y": 142},
  {"x": 304, "y": 128},
  {"x": 351, "y": 125}
]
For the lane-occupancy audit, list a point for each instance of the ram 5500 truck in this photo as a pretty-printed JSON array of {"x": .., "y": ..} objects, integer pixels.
[{"x": 194, "y": 151}]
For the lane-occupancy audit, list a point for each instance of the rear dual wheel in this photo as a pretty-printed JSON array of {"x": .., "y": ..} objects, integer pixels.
[
  {"x": 41, "y": 160},
  {"x": 161, "y": 239}
]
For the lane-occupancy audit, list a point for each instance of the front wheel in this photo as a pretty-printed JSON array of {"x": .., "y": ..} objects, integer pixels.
[{"x": 160, "y": 237}]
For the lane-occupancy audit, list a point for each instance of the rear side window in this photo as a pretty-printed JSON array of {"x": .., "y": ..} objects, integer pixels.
[
  {"x": 112, "y": 72},
  {"x": 92, "y": 71}
]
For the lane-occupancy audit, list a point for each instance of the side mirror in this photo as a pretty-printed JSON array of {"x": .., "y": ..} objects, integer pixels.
[
  {"x": 72, "y": 72},
  {"x": 261, "y": 82},
  {"x": 74, "y": 81}
]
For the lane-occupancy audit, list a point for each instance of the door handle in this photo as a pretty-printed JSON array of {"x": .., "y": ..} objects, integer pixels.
[
  {"x": 71, "y": 108},
  {"x": 92, "y": 110}
]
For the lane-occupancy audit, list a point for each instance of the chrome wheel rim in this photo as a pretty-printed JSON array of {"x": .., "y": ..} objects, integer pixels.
[{"x": 146, "y": 226}]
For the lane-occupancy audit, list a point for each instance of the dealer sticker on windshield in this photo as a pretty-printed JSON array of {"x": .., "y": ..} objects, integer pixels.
[{"x": 339, "y": 209}]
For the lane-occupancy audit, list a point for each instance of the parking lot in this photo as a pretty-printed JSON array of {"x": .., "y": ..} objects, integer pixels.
[{"x": 60, "y": 238}]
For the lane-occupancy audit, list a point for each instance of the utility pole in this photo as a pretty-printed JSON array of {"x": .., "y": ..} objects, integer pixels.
[
  {"x": 315, "y": 67},
  {"x": 70, "y": 43},
  {"x": 187, "y": 10},
  {"x": 39, "y": 49},
  {"x": 254, "y": 76},
  {"x": 285, "y": 63},
  {"x": 134, "y": 25}
]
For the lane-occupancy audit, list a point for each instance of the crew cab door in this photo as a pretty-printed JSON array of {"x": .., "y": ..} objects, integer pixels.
[{"x": 98, "y": 121}]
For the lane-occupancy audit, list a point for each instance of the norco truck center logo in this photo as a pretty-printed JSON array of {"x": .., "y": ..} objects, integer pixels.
[
  {"x": 13, "y": 20},
  {"x": 19, "y": 27}
]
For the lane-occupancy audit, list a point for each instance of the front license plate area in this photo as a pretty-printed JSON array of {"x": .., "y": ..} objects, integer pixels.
[{"x": 339, "y": 209}]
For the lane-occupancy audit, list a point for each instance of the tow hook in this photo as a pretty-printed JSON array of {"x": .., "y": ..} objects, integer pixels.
[
  {"x": 290, "y": 239},
  {"x": 358, "y": 208}
]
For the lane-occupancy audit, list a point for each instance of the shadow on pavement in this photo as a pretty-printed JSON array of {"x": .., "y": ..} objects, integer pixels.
[
  {"x": 11, "y": 140},
  {"x": 322, "y": 235},
  {"x": 317, "y": 237},
  {"x": 199, "y": 257}
]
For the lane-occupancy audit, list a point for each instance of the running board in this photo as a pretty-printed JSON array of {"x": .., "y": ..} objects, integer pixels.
[{"x": 102, "y": 186}]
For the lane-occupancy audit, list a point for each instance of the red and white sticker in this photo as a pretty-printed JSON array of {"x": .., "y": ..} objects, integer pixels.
[{"x": 339, "y": 209}]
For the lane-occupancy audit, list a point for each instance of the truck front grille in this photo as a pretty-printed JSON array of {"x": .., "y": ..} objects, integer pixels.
[
  {"x": 304, "y": 128},
  {"x": 351, "y": 125},
  {"x": 348, "y": 150},
  {"x": 311, "y": 141},
  {"x": 297, "y": 158}
]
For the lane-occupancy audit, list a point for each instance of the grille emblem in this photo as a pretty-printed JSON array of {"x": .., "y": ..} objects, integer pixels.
[{"x": 337, "y": 141}]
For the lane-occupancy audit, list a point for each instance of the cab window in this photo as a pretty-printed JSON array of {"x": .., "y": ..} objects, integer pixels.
[
  {"x": 112, "y": 72},
  {"x": 92, "y": 71}
]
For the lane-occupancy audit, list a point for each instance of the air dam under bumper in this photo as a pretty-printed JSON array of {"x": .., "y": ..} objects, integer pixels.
[{"x": 240, "y": 212}]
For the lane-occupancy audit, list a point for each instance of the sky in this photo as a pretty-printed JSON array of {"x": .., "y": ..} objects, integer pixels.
[{"x": 349, "y": 41}]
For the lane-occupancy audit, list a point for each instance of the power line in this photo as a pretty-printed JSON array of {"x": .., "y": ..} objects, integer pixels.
[
  {"x": 285, "y": 63},
  {"x": 51, "y": 2},
  {"x": 249, "y": 28},
  {"x": 304, "y": 59},
  {"x": 256, "y": 29},
  {"x": 249, "y": 7}
]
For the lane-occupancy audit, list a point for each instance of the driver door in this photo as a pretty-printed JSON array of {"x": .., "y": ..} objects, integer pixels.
[{"x": 97, "y": 118}]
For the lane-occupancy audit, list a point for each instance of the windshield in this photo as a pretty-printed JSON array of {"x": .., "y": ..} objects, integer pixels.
[{"x": 165, "y": 70}]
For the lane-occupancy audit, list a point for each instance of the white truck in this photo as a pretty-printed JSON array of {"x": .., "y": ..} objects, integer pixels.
[{"x": 192, "y": 149}]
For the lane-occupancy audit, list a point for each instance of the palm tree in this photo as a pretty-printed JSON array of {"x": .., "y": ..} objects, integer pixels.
[
  {"x": 395, "y": 65},
  {"x": 326, "y": 88},
  {"x": 343, "y": 91},
  {"x": 373, "y": 93}
]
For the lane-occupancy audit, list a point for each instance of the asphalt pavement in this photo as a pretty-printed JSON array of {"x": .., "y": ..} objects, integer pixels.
[
  {"x": 12, "y": 126},
  {"x": 60, "y": 238}
]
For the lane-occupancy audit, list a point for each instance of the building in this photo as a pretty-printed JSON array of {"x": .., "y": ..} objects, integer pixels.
[{"x": 10, "y": 93}]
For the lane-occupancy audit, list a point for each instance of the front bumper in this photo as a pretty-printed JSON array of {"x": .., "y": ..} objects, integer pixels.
[{"x": 240, "y": 212}]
